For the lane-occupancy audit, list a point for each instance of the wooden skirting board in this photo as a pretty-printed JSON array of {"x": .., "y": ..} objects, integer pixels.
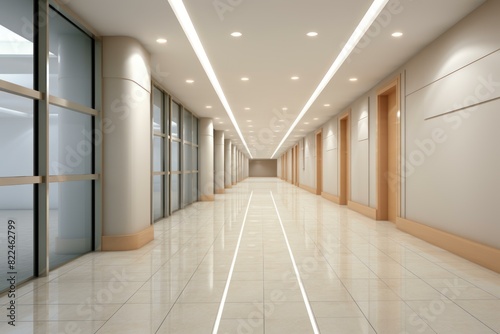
[
  {"x": 330, "y": 197},
  {"x": 219, "y": 191},
  {"x": 207, "y": 198},
  {"x": 129, "y": 241},
  {"x": 310, "y": 189},
  {"x": 363, "y": 209},
  {"x": 483, "y": 255}
]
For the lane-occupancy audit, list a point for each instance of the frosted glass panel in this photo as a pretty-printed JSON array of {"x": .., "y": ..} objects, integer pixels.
[
  {"x": 175, "y": 192},
  {"x": 176, "y": 156},
  {"x": 195, "y": 130},
  {"x": 158, "y": 154},
  {"x": 70, "y": 137},
  {"x": 16, "y": 232},
  {"x": 188, "y": 136},
  {"x": 188, "y": 158},
  {"x": 187, "y": 189},
  {"x": 70, "y": 221},
  {"x": 176, "y": 118},
  {"x": 195, "y": 158},
  {"x": 70, "y": 66},
  {"x": 16, "y": 40},
  {"x": 157, "y": 110},
  {"x": 158, "y": 197},
  {"x": 16, "y": 135},
  {"x": 194, "y": 189}
]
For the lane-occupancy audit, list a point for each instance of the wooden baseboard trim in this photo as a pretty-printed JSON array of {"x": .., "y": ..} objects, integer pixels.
[
  {"x": 219, "y": 191},
  {"x": 363, "y": 209},
  {"x": 207, "y": 198},
  {"x": 483, "y": 255},
  {"x": 330, "y": 197},
  {"x": 310, "y": 189},
  {"x": 129, "y": 241}
]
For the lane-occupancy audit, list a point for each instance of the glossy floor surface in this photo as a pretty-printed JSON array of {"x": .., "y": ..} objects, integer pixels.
[{"x": 266, "y": 257}]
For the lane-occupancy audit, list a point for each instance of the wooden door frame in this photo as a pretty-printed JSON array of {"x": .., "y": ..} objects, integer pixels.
[
  {"x": 344, "y": 194},
  {"x": 319, "y": 161},
  {"x": 382, "y": 151}
]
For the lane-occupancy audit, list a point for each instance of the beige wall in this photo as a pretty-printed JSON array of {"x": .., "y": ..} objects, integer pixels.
[
  {"x": 263, "y": 168},
  {"x": 449, "y": 141}
]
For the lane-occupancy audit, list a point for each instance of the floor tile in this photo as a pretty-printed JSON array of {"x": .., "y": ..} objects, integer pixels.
[{"x": 357, "y": 275}]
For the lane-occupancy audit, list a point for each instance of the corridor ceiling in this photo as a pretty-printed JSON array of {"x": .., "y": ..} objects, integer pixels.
[{"x": 273, "y": 48}]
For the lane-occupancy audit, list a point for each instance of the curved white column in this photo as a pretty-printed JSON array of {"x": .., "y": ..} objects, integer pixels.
[
  {"x": 206, "y": 147},
  {"x": 127, "y": 144},
  {"x": 234, "y": 165},
  {"x": 219, "y": 161},
  {"x": 227, "y": 163}
]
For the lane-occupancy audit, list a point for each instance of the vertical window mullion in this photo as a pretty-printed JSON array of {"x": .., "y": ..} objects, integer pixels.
[{"x": 42, "y": 138}]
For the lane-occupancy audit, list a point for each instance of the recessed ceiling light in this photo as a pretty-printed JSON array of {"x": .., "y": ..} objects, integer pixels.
[
  {"x": 208, "y": 107},
  {"x": 368, "y": 19},
  {"x": 221, "y": 122},
  {"x": 312, "y": 34},
  {"x": 161, "y": 41},
  {"x": 236, "y": 34},
  {"x": 245, "y": 79},
  {"x": 247, "y": 108},
  {"x": 189, "y": 81},
  {"x": 295, "y": 78},
  {"x": 306, "y": 123},
  {"x": 284, "y": 108},
  {"x": 250, "y": 126},
  {"x": 249, "y": 120},
  {"x": 251, "y": 131},
  {"x": 301, "y": 130},
  {"x": 397, "y": 34},
  {"x": 326, "y": 105},
  {"x": 353, "y": 79},
  {"x": 216, "y": 118},
  {"x": 315, "y": 118},
  {"x": 182, "y": 15}
]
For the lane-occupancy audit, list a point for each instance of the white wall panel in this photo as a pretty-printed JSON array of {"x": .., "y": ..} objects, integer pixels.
[
  {"x": 373, "y": 149},
  {"x": 473, "y": 84},
  {"x": 453, "y": 180},
  {"x": 362, "y": 129},
  {"x": 308, "y": 173},
  {"x": 330, "y": 158},
  {"x": 330, "y": 172},
  {"x": 359, "y": 173},
  {"x": 471, "y": 39},
  {"x": 360, "y": 165}
]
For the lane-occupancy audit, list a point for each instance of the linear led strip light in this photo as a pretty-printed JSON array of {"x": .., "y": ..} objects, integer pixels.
[
  {"x": 188, "y": 27},
  {"x": 363, "y": 26}
]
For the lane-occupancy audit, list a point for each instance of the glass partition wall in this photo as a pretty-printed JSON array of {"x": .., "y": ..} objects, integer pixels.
[
  {"x": 175, "y": 155},
  {"x": 49, "y": 108}
]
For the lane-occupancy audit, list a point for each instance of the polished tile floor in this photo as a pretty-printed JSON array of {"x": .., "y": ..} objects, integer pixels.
[{"x": 266, "y": 257}]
